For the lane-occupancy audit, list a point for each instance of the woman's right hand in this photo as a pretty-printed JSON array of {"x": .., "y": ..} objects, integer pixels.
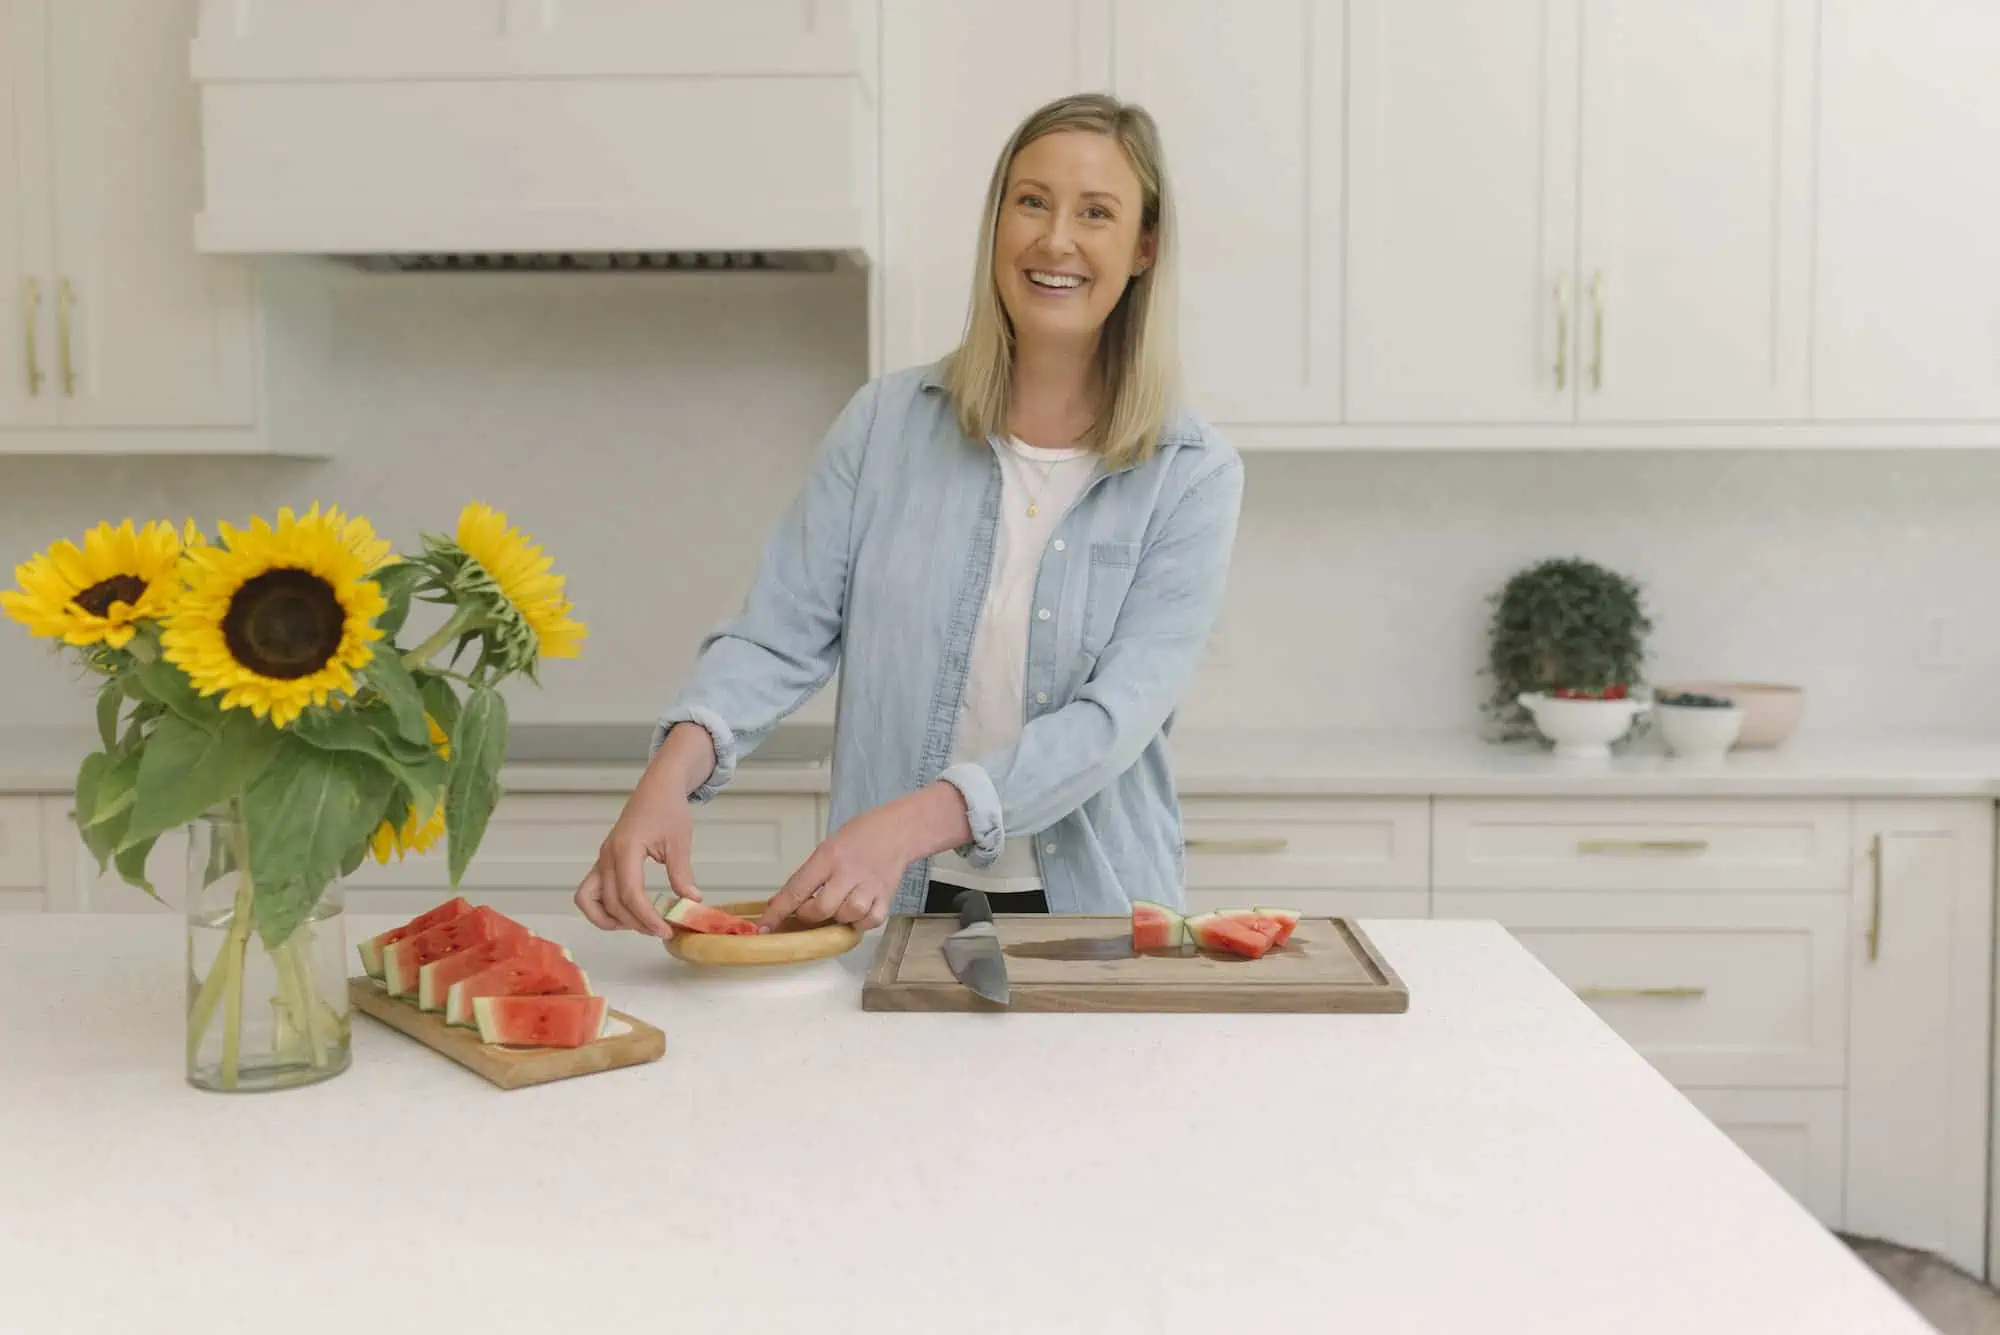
[{"x": 657, "y": 824}]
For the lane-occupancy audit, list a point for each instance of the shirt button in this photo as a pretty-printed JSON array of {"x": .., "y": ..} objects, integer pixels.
[
  {"x": 1048, "y": 848},
  {"x": 1041, "y": 697},
  {"x": 1042, "y": 615},
  {"x": 1060, "y": 545}
]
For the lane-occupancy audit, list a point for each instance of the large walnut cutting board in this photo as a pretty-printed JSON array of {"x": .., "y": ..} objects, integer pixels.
[{"x": 1075, "y": 963}]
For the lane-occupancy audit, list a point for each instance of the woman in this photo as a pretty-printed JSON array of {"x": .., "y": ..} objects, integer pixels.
[{"x": 1015, "y": 556}]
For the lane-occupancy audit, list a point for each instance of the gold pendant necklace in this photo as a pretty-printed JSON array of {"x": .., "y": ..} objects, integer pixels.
[{"x": 1034, "y": 502}]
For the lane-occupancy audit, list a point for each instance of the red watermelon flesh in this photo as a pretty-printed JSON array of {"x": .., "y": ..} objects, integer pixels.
[
  {"x": 371, "y": 949},
  {"x": 1287, "y": 920},
  {"x": 1258, "y": 922},
  {"x": 540, "y": 1022},
  {"x": 524, "y": 975},
  {"x": 1213, "y": 931},
  {"x": 1156, "y": 927},
  {"x": 434, "y": 980},
  {"x": 402, "y": 960},
  {"x": 689, "y": 916}
]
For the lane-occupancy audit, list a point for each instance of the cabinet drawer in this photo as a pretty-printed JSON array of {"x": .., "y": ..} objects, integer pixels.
[
  {"x": 1640, "y": 844},
  {"x": 544, "y": 842},
  {"x": 1747, "y": 990},
  {"x": 1356, "y": 903},
  {"x": 1312, "y": 844},
  {"x": 1795, "y": 1135},
  {"x": 21, "y": 844}
]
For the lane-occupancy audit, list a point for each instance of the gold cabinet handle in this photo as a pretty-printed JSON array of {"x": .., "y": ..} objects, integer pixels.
[
  {"x": 1597, "y": 336},
  {"x": 66, "y": 298},
  {"x": 1562, "y": 331},
  {"x": 1875, "y": 900},
  {"x": 1681, "y": 992},
  {"x": 1265, "y": 844},
  {"x": 31, "y": 306},
  {"x": 1643, "y": 847}
]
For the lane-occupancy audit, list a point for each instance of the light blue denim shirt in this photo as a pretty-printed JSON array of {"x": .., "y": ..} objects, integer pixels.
[{"x": 880, "y": 568}]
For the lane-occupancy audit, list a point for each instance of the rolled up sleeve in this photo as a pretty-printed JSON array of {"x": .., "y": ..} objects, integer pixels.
[
  {"x": 1065, "y": 757},
  {"x": 761, "y": 664}
]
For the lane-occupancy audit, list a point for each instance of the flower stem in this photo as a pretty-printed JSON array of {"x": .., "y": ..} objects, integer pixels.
[
  {"x": 461, "y": 619},
  {"x": 297, "y": 981}
]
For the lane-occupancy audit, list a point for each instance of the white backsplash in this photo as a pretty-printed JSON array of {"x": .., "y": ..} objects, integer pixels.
[{"x": 649, "y": 435}]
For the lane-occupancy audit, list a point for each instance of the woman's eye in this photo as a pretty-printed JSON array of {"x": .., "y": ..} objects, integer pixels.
[
  {"x": 1099, "y": 211},
  {"x": 1032, "y": 201}
]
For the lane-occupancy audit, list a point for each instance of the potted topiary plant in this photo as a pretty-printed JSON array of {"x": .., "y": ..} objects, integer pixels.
[{"x": 1566, "y": 654}]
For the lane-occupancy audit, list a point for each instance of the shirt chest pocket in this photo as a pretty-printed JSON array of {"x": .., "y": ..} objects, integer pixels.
[{"x": 1108, "y": 580}]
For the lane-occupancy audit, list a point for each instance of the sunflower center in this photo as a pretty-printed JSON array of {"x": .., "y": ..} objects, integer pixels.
[
  {"x": 284, "y": 623},
  {"x": 98, "y": 598}
]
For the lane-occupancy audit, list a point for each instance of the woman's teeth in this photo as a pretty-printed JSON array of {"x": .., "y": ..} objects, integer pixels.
[{"x": 1054, "y": 279}]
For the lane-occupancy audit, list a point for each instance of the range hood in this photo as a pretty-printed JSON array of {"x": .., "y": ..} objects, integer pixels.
[{"x": 589, "y": 135}]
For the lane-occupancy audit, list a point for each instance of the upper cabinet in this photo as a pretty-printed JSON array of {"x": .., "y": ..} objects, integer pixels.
[
  {"x": 1569, "y": 211},
  {"x": 118, "y": 336},
  {"x": 1254, "y": 147},
  {"x": 1908, "y": 278}
]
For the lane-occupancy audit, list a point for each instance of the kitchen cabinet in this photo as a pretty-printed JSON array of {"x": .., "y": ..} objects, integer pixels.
[
  {"x": 1907, "y": 319},
  {"x": 1920, "y": 951},
  {"x": 1595, "y": 211},
  {"x": 22, "y": 884},
  {"x": 119, "y": 336},
  {"x": 1255, "y": 147}
]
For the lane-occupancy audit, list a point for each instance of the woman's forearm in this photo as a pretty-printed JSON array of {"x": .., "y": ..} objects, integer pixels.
[
  {"x": 685, "y": 758},
  {"x": 934, "y": 819}
]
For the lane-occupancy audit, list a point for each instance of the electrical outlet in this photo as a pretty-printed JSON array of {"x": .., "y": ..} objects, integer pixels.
[{"x": 1937, "y": 641}]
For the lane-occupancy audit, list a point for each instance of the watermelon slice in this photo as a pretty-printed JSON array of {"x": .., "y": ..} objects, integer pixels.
[
  {"x": 371, "y": 949},
  {"x": 540, "y": 1022},
  {"x": 691, "y": 916},
  {"x": 1156, "y": 927},
  {"x": 521, "y": 975},
  {"x": 401, "y": 960},
  {"x": 1234, "y": 936},
  {"x": 1285, "y": 918},
  {"x": 1257, "y": 922},
  {"x": 434, "y": 980}
]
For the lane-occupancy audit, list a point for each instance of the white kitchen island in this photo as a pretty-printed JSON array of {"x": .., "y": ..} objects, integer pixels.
[{"x": 1496, "y": 1159}]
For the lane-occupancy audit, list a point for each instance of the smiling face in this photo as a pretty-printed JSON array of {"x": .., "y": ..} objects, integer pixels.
[{"x": 1069, "y": 235}]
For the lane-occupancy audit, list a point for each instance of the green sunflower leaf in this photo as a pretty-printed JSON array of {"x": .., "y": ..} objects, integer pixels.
[
  {"x": 110, "y": 698},
  {"x": 131, "y": 862},
  {"x": 167, "y": 685},
  {"x": 478, "y": 747},
  {"x": 387, "y": 675},
  {"x": 185, "y": 771},
  {"x": 397, "y": 583},
  {"x": 304, "y": 816},
  {"x": 373, "y": 731},
  {"x": 440, "y": 701}
]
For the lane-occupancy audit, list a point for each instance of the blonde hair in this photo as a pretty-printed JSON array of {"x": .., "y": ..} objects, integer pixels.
[{"x": 1137, "y": 353}]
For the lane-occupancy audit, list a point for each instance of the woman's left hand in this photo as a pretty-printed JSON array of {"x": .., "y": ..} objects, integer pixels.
[{"x": 852, "y": 876}]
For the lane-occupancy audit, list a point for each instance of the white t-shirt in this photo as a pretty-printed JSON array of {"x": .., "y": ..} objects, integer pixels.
[{"x": 1036, "y": 489}]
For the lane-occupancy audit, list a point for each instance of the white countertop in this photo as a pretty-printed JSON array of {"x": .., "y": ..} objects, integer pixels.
[
  {"x": 1493, "y": 1160},
  {"x": 1273, "y": 762}
]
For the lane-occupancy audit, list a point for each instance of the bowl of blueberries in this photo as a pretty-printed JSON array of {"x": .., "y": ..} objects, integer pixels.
[{"x": 1697, "y": 724}]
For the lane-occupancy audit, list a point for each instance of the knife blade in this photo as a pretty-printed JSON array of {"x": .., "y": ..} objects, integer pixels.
[{"x": 973, "y": 951}]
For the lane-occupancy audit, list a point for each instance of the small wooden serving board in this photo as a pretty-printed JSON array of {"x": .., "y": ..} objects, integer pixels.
[
  {"x": 511, "y": 1068},
  {"x": 1085, "y": 963}
]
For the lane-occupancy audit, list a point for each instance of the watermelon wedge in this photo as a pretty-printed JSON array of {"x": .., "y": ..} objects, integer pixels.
[
  {"x": 1156, "y": 927},
  {"x": 402, "y": 960},
  {"x": 1233, "y": 936},
  {"x": 540, "y": 1022},
  {"x": 371, "y": 949},
  {"x": 1285, "y": 918},
  {"x": 691, "y": 916},
  {"x": 522, "y": 975},
  {"x": 1271, "y": 928},
  {"x": 434, "y": 980}
]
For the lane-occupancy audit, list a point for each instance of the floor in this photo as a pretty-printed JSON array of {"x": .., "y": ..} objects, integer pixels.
[{"x": 1950, "y": 1299}]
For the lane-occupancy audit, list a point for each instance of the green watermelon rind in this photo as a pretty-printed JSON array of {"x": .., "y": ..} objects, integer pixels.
[
  {"x": 1178, "y": 920},
  {"x": 464, "y": 1008},
  {"x": 688, "y": 914},
  {"x": 482, "y": 1010},
  {"x": 371, "y": 949}
]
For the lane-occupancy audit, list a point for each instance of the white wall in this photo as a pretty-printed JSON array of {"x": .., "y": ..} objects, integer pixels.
[{"x": 648, "y": 435}]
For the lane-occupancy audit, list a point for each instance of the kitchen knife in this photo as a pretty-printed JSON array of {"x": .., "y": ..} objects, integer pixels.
[{"x": 973, "y": 951}]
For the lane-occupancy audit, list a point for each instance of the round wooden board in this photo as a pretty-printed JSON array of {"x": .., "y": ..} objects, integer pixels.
[{"x": 793, "y": 943}]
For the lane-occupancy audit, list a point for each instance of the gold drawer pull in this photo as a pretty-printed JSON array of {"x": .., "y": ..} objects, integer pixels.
[
  {"x": 1674, "y": 993},
  {"x": 1256, "y": 844},
  {"x": 1643, "y": 847}
]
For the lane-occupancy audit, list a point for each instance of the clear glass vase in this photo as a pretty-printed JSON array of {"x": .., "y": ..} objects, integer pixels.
[{"x": 260, "y": 1016}]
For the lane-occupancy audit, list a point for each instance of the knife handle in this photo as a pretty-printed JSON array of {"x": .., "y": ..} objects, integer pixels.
[{"x": 972, "y": 907}]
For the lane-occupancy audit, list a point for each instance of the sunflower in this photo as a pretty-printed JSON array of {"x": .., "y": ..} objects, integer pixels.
[
  {"x": 521, "y": 571},
  {"x": 409, "y": 837},
  {"x": 279, "y": 618},
  {"x": 97, "y": 594}
]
